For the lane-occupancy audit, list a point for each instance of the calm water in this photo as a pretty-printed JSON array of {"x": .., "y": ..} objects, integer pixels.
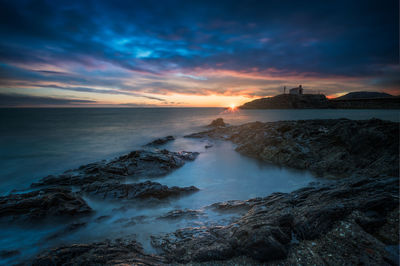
[{"x": 38, "y": 142}]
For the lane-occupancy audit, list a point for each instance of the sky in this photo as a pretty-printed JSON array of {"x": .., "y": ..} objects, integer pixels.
[{"x": 193, "y": 53}]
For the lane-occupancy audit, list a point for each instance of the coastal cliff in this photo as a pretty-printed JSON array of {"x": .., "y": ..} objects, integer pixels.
[
  {"x": 319, "y": 101},
  {"x": 289, "y": 101}
]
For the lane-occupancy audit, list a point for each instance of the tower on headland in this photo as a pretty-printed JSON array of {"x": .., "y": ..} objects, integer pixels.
[{"x": 297, "y": 91}]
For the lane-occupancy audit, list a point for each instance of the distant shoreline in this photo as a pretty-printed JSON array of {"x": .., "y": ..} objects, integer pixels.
[{"x": 319, "y": 101}]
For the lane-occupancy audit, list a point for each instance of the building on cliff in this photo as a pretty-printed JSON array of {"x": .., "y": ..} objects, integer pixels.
[{"x": 297, "y": 91}]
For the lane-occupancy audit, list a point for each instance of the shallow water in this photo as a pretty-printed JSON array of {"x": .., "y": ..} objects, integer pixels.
[
  {"x": 219, "y": 172},
  {"x": 37, "y": 142}
]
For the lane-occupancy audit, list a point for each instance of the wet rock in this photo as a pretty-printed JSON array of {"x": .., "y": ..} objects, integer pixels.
[
  {"x": 302, "y": 227},
  {"x": 180, "y": 214},
  {"x": 132, "y": 220},
  {"x": 102, "y": 218},
  {"x": 67, "y": 230},
  {"x": 235, "y": 205},
  {"x": 219, "y": 122},
  {"x": 332, "y": 148},
  {"x": 160, "y": 141},
  {"x": 143, "y": 190},
  {"x": 180, "y": 247},
  {"x": 137, "y": 164},
  {"x": 116, "y": 252},
  {"x": 42, "y": 203},
  {"x": 346, "y": 244}
]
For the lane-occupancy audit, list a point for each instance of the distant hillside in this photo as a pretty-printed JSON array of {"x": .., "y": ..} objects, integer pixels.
[
  {"x": 319, "y": 101},
  {"x": 364, "y": 95},
  {"x": 289, "y": 101}
]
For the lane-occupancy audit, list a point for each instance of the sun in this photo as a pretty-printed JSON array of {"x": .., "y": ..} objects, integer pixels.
[{"x": 232, "y": 107}]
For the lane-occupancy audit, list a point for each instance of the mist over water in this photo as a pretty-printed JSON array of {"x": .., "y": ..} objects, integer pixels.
[{"x": 38, "y": 142}]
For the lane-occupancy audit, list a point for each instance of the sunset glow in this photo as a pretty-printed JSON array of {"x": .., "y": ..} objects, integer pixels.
[{"x": 130, "y": 54}]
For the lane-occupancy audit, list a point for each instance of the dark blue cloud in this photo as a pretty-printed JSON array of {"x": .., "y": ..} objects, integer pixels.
[{"x": 17, "y": 100}]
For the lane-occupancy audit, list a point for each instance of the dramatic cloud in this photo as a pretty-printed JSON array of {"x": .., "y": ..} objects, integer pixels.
[
  {"x": 15, "y": 100},
  {"x": 151, "y": 52}
]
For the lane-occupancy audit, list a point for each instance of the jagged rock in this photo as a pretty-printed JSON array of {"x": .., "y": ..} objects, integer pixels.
[
  {"x": 137, "y": 164},
  {"x": 330, "y": 148},
  {"x": 179, "y": 214},
  {"x": 148, "y": 189},
  {"x": 161, "y": 141},
  {"x": 277, "y": 227},
  {"x": 235, "y": 205},
  {"x": 117, "y": 252},
  {"x": 42, "y": 203},
  {"x": 219, "y": 122}
]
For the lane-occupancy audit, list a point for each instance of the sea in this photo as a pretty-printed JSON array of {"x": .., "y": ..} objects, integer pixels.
[{"x": 38, "y": 142}]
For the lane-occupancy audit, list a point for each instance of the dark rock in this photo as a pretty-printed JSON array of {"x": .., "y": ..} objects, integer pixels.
[
  {"x": 179, "y": 214},
  {"x": 219, "y": 122},
  {"x": 132, "y": 220},
  {"x": 102, "y": 218},
  {"x": 148, "y": 189},
  {"x": 160, "y": 141},
  {"x": 330, "y": 148},
  {"x": 101, "y": 253},
  {"x": 137, "y": 164},
  {"x": 67, "y": 230},
  {"x": 235, "y": 205},
  {"x": 180, "y": 247},
  {"x": 42, "y": 203},
  {"x": 318, "y": 217},
  {"x": 371, "y": 221}
]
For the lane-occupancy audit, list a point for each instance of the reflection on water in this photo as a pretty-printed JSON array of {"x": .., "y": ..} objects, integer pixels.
[{"x": 222, "y": 174}]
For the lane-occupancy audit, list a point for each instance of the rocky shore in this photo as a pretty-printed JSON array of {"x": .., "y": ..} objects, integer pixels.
[
  {"x": 351, "y": 220},
  {"x": 346, "y": 223},
  {"x": 118, "y": 252},
  {"x": 52, "y": 196},
  {"x": 330, "y": 148}
]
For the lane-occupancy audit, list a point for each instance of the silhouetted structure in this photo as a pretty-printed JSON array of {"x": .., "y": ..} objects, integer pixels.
[{"x": 298, "y": 90}]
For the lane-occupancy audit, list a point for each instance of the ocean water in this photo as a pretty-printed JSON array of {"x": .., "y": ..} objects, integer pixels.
[{"x": 38, "y": 142}]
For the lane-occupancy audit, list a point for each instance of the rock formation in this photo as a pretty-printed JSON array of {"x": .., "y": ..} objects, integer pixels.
[
  {"x": 330, "y": 148},
  {"x": 148, "y": 189},
  {"x": 119, "y": 252},
  {"x": 42, "y": 203},
  {"x": 137, "y": 164},
  {"x": 346, "y": 222}
]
